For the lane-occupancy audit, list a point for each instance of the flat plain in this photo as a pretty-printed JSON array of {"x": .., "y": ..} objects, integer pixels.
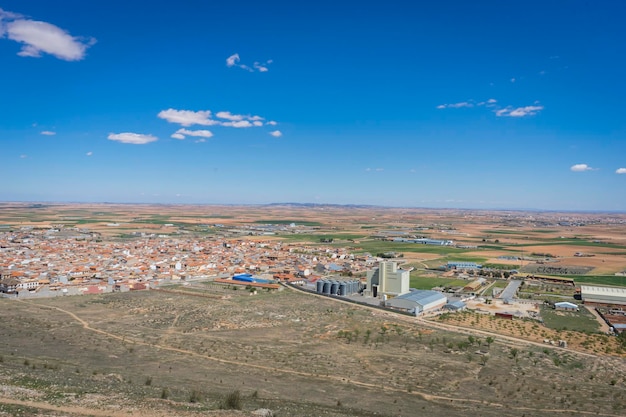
[{"x": 188, "y": 350}]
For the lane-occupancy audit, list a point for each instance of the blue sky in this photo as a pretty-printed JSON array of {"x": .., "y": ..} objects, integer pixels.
[{"x": 487, "y": 104}]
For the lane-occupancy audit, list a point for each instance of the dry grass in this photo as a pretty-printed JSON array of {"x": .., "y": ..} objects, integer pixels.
[{"x": 291, "y": 350}]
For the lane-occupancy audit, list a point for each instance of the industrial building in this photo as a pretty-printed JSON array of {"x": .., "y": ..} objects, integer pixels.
[
  {"x": 387, "y": 280},
  {"x": 603, "y": 295},
  {"x": 463, "y": 265},
  {"x": 418, "y": 301}
]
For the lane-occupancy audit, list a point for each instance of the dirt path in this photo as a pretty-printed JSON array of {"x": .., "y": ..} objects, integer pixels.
[
  {"x": 604, "y": 328},
  {"x": 375, "y": 387},
  {"x": 74, "y": 409}
]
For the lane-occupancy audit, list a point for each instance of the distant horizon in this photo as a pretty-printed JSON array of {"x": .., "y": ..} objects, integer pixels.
[
  {"x": 479, "y": 105},
  {"x": 347, "y": 205}
]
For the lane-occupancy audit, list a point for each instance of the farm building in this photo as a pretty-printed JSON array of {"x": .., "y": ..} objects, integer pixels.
[
  {"x": 418, "y": 301},
  {"x": 566, "y": 306},
  {"x": 455, "y": 306},
  {"x": 463, "y": 265},
  {"x": 475, "y": 285},
  {"x": 603, "y": 295}
]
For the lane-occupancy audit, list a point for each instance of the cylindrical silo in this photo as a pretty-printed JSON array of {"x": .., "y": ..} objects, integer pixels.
[
  {"x": 334, "y": 287},
  {"x": 343, "y": 289},
  {"x": 320, "y": 286},
  {"x": 326, "y": 287}
]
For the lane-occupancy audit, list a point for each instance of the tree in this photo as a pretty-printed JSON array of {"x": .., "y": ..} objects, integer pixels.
[
  {"x": 489, "y": 340},
  {"x": 368, "y": 333}
]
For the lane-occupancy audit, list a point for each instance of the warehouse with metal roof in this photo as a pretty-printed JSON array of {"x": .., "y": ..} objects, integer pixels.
[
  {"x": 603, "y": 295},
  {"x": 418, "y": 301}
]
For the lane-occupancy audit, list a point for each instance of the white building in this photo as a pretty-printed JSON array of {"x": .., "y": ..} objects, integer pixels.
[
  {"x": 603, "y": 295},
  {"x": 387, "y": 279}
]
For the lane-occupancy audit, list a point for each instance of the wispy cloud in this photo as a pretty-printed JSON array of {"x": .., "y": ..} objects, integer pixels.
[
  {"x": 581, "y": 168},
  {"x": 620, "y": 171},
  {"x": 492, "y": 103},
  {"x": 374, "y": 170},
  {"x": 89, "y": 153},
  {"x": 510, "y": 111},
  {"x": 276, "y": 133},
  {"x": 456, "y": 105},
  {"x": 48, "y": 133},
  {"x": 182, "y": 133},
  {"x": 132, "y": 138},
  {"x": 23, "y": 156},
  {"x": 188, "y": 117},
  {"x": 234, "y": 61},
  {"x": 271, "y": 123},
  {"x": 468, "y": 104},
  {"x": 38, "y": 38},
  {"x": 262, "y": 66}
]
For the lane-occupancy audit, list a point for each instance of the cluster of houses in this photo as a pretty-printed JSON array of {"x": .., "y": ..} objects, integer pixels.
[{"x": 57, "y": 258}]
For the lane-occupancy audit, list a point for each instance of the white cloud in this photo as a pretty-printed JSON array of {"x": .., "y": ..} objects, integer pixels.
[
  {"x": 519, "y": 111},
  {"x": 581, "y": 168},
  {"x": 234, "y": 59},
  {"x": 512, "y": 80},
  {"x": 201, "y": 140},
  {"x": 271, "y": 123},
  {"x": 188, "y": 117},
  {"x": 182, "y": 133},
  {"x": 132, "y": 138},
  {"x": 229, "y": 116},
  {"x": 48, "y": 133},
  {"x": 620, "y": 171},
  {"x": 41, "y": 37},
  {"x": 492, "y": 101},
  {"x": 276, "y": 133},
  {"x": 456, "y": 105},
  {"x": 238, "y": 117},
  {"x": 238, "y": 124},
  {"x": 89, "y": 153},
  {"x": 23, "y": 156}
]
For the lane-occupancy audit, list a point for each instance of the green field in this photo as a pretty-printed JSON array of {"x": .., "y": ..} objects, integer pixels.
[
  {"x": 378, "y": 246},
  {"x": 568, "y": 242},
  {"x": 297, "y": 222},
  {"x": 582, "y": 320},
  {"x": 316, "y": 238},
  {"x": 613, "y": 280},
  {"x": 427, "y": 283}
]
